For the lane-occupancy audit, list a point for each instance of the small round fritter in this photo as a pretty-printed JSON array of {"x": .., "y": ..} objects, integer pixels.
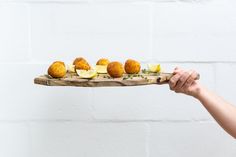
[
  {"x": 60, "y": 62},
  {"x": 81, "y": 64},
  {"x": 103, "y": 61},
  {"x": 132, "y": 66},
  {"x": 57, "y": 69},
  {"x": 115, "y": 69}
]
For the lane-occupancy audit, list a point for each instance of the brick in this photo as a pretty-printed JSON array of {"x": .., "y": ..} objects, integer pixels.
[
  {"x": 21, "y": 99},
  {"x": 88, "y": 139},
  {"x": 14, "y": 30},
  {"x": 194, "y": 31},
  {"x": 14, "y": 140},
  {"x": 153, "y": 102},
  {"x": 116, "y": 31},
  {"x": 190, "y": 139}
]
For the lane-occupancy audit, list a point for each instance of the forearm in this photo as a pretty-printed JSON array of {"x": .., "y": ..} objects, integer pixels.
[{"x": 223, "y": 112}]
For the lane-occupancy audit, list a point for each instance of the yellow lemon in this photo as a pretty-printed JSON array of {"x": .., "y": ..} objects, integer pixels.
[
  {"x": 155, "y": 68},
  {"x": 101, "y": 69},
  {"x": 86, "y": 73},
  {"x": 71, "y": 68}
]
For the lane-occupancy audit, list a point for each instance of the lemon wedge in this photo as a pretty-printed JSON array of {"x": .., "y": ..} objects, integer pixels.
[
  {"x": 155, "y": 68},
  {"x": 87, "y": 73},
  {"x": 71, "y": 68},
  {"x": 101, "y": 69}
]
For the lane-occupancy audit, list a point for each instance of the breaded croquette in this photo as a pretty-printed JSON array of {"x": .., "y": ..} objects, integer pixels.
[
  {"x": 115, "y": 69},
  {"x": 57, "y": 69},
  {"x": 81, "y": 64},
  {"x": 132, "y": 66},
  {"x": 103, "y": 61}
]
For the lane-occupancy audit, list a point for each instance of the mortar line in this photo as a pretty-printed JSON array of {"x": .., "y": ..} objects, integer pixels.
[
  {"x": 102, "y": 2},
  {"x": 30, "y": 138},
  {"x": 151, "y": 31},
  {"x": 105, "y": 121},
  {"x": 30, "y": 33},
  {"x": 215, "y": 76},
  {"x": 147, "y": 140}
]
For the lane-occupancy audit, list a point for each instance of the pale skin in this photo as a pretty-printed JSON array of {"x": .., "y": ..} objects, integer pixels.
[{"x": 223, "y": 112}]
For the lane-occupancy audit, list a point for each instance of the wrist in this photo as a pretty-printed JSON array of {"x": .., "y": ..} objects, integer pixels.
[{"x": 199, "y": 91}]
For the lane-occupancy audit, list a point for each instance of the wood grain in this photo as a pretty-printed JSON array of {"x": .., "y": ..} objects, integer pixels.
[{"x": 103, "y": 80}]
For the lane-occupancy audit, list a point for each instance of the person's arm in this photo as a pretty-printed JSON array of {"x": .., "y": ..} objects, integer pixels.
[{"x": 223, "y": 112}]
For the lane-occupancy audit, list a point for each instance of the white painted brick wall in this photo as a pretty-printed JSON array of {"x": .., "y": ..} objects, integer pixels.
[
  {"x": 14, "y": 32},
  {"x": 189, "y": 139},
  {"x": 88, "y": 139},
  {"x": 111, "y": 30},
  {"x": 200, "y": 32},
  {"x": 37, "y": 121},
  {"x": 15, "y": 139}
]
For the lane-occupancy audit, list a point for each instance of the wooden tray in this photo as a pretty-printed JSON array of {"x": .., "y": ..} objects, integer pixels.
[{"x": 103, "y": 80}]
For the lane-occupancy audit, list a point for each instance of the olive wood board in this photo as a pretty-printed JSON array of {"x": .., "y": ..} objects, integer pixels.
[{"x": 104, "y": 80}]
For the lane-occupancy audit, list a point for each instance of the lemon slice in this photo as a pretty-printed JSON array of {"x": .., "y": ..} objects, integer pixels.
[
  {"x": 86, "y": 73},
  {"x": 155, "y": 68},
  {"x": 71, "y": 68},
  {"x": 101, "y": 69}
]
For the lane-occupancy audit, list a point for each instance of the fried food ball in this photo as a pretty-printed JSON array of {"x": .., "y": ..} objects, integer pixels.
[
  {"x": 132, "y": 66},
  {"x": 81, "y": 63},
  {"x": 57, "y": 69},
  {"x": 103, "y": 61},
  {"x": 115, "y": 69},
  {"x": 60, "y": 62}
]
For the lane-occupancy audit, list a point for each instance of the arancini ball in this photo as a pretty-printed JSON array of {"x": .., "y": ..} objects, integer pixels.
[
  {"x": 132, "y": 66},
  {"x": 57, "y": 69},
  {"x": 103, "y": 61},
  {"x": 81, "y": 64},
  {"x": 60, "y": 62},
  {"x": 115, "y": 69}
]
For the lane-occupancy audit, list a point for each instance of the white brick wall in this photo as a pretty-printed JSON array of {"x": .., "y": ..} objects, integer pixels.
[
  {"x": 15, "y": 139},
  {"x": 189, "y": 139},
  {"x": 37, "y": 121},
  {"x": 88, "y": 139},
  {"x": 200, "y": 32},
  {"x": 90, "y": 30},
  {"x": 14, "y": 32}
]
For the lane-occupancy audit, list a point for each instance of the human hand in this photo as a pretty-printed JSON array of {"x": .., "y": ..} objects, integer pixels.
[{"x": 184, "y": 81}]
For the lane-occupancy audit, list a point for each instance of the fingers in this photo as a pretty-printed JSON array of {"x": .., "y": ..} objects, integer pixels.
[
  {"x": 190, "y": 80},
  {"x": 174, "y": 79},
  {"x": 195, "y": 75},
  {"x": 183, "y": 79},
  {"x": 177, "y": 70}
]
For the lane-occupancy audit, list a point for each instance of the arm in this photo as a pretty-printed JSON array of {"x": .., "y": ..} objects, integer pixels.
[{"x": 223, "y": 112}]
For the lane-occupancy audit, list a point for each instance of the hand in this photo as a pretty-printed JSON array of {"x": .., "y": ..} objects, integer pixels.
[{"x": 184, "y": 82}]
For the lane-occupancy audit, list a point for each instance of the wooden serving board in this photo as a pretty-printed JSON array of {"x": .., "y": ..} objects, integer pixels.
[{"x": 103, "y": 80}]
